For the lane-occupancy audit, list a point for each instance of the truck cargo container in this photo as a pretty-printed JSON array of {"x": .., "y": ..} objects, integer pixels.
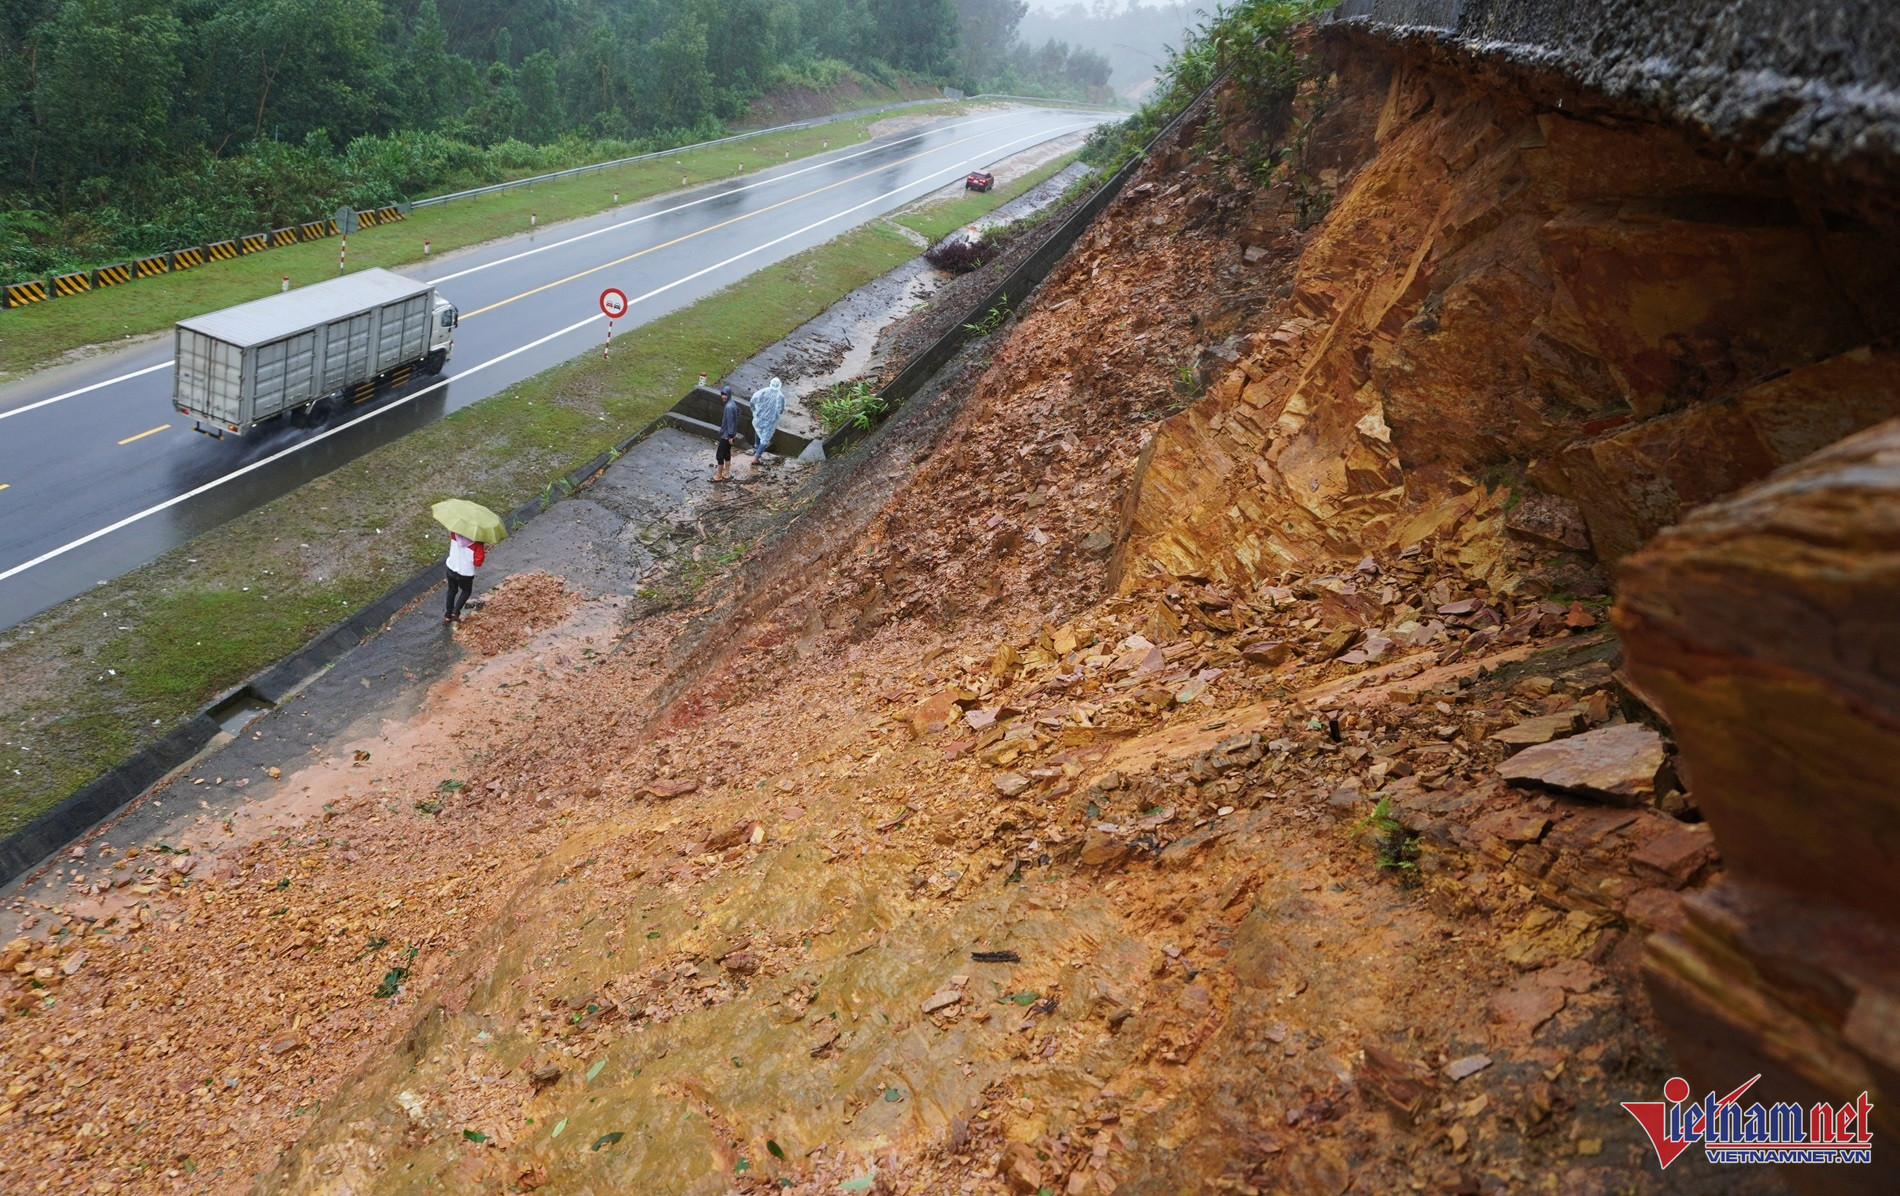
[{"x": 303, "y": 353}]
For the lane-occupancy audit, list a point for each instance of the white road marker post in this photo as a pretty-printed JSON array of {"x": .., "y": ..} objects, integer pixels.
[
  {"x": 286, "y": 285},
  {"x": 343, "y": 251}
]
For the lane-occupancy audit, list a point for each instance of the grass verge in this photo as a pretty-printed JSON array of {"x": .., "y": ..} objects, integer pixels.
[
  {"x": 35, "y": 336},
  {"x": 97, "y": 678},
  {"x": 940, "y": 219}
]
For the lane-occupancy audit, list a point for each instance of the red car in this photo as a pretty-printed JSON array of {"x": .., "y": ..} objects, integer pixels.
[{"x": 979, "y": 180}]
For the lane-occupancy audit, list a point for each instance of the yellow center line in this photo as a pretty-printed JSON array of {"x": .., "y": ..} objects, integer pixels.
[
  {"x": 4, "y": 485},
  {"x": 143, "y": 435},
  {"x": 880, "y": 169}
]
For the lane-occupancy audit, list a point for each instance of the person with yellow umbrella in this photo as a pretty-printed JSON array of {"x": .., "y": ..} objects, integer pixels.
[{"x": 472, "y": 528}]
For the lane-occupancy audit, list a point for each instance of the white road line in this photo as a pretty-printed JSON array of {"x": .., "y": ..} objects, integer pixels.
[
  {"x": 166, "y": 364},
  {"x": 163, "y": 365},
  {"x": 709, "y": 198},
  {"x": 298, "y": 447},
  {"x": 952, "y": 171},
  {"x": 712, "y": 228}
]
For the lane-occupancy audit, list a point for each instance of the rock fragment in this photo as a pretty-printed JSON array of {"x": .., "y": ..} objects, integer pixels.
[
  {"x": 1618, "y": 765},
  {"x": 1542, "y": 729},
  {"x": 942, "y": 1000}
]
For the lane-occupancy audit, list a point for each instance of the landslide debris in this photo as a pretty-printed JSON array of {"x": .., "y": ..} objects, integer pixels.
[{"x": 1029, "y": 815}]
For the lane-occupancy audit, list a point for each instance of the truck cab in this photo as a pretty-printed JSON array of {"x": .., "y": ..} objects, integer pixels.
[{"x": 441, "y": 334}]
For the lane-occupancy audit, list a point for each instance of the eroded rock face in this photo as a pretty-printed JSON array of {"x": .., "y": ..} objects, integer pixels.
[
  {"x": 1764, "y": 628},
  {"x": 1522, "y": 333}
]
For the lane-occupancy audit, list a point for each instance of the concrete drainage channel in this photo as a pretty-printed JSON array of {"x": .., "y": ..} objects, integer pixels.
[{"x": 697, "y": 413}]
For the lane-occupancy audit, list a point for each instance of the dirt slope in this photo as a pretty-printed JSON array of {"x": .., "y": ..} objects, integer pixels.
[{"x": 1065, "y": 799}]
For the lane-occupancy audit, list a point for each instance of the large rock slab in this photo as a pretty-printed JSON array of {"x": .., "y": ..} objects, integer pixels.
[
  {"x": 1763, "y": 628},
  {"x": 1615, "y": 764}
]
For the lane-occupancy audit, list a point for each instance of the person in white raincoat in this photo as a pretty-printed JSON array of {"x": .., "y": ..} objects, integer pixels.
[{"x": 768, "y": 404}]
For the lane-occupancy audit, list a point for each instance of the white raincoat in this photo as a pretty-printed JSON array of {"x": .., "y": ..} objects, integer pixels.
[{"x": 768, "y": 404}]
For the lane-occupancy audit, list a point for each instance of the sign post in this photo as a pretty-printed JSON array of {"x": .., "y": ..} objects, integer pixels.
[{"x": 613, "y": 305}]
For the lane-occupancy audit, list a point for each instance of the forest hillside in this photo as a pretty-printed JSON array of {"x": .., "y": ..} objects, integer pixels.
[{"x": 132, "y": 126}]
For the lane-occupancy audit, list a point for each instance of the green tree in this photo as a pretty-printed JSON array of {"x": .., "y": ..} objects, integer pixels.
[
  {"x": 499, "y": 112},
  {"x": 917, "y": 35},
  {"x": 428, "y": 93},
  {"x": 679, "y": 83},
  {"x": 987, "y": 30},
  {"x": 107, "y": 73},
  {"x": 280, "y": 68},
  {"x": 542, "y": 118}
]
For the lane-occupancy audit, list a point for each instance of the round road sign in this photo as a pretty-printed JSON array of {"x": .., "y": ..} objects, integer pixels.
[{"x": 613, "y": 302}]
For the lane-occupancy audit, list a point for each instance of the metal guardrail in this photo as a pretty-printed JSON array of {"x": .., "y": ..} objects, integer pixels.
[
  {"x": 28, "y": 291},
  {"x": 809, "y": 123}
]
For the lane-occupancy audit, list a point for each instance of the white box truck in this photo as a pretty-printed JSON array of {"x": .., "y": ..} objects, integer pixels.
[{"x": 303, "y": 353}]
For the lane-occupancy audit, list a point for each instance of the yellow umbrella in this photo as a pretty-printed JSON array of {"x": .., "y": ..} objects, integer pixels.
[{"x": 469, "y": 519}]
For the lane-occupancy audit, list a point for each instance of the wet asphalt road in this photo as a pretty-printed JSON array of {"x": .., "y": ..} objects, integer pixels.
[{"x": 98, "y": 474}]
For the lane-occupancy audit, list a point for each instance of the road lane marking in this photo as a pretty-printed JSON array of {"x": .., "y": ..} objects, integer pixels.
[
  {"x": 298, "y": 447},
  {"x": 951, "y": 171},
  {"x": 468, "y": 315},
  {"x": 167, "y": 363},
  {"x": 320, "y": 437},
  {"x": 5, "y": 485},
  {"x": 777, "y": 178},
  {"x": 163, "y": 365},
  {"x": 143, "y": 435},
  {"x": 872, "y": 148}
]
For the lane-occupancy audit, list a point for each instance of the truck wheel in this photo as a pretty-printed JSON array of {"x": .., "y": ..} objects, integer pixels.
[{"x": 433, "y": 363}]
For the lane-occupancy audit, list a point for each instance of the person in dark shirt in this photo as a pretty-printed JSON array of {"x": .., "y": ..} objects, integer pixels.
[{"x": 728, "y": 432}]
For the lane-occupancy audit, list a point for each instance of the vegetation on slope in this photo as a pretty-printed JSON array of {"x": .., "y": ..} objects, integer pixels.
[{"x": 1250, "y": 40}]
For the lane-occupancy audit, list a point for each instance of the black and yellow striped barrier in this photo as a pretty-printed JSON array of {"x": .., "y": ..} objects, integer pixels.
[{"x": 19, "y": 294}]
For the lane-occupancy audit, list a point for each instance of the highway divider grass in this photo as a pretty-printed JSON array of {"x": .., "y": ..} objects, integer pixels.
[
  {"x": 31, "y": 337},
  {"x": 99, "y": 677}
]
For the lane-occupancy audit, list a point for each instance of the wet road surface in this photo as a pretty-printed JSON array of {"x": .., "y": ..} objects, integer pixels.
[{"x": 98, "y": 474}]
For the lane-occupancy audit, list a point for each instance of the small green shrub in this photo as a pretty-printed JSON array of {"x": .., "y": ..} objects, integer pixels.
[
  {"x": 849, "y": 404},
  {"x": 992, "y": 319},
  {"x": 1397, "y": 850}
]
